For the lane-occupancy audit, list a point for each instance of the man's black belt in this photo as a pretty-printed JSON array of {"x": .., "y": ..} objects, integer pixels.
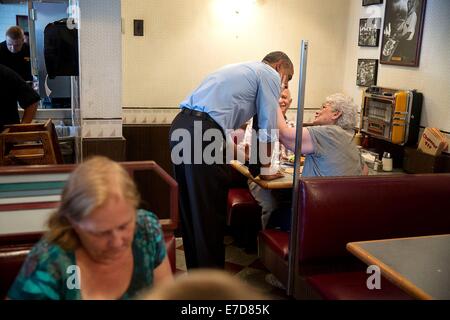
[
  {"x": 203, "y": 116},
  {"x": 198, "y": 114}
]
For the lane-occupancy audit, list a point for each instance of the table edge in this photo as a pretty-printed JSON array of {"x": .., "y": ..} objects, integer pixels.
[{"x": 389, "y": 273}]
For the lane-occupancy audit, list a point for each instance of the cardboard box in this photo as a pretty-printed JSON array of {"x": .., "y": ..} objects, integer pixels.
[
  {"x": 415, "y": 161},
  {"x": 432, "y": 142}
]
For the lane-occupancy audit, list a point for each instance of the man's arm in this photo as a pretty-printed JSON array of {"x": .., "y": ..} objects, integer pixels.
[
  {"x": 265, "y": 166},
  {"x": 28, "y": 98},
  {"x": 29, "y": 113},
  {"x": 288, "y": 136}
]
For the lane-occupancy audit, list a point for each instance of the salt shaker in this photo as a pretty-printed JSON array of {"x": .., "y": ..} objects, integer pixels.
[{"x": 387, "y": 162}]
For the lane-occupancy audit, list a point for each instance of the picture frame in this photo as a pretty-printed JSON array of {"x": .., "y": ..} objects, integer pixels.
[
  {"x": 402, "y": 32},
  {"x": 371, "y": 2},
  {"x": 367, "y": 72},
  {"x": 369, "y": 32}
]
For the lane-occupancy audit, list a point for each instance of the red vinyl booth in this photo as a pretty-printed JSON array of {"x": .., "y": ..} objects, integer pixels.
[{"x": 335, "y": 211}]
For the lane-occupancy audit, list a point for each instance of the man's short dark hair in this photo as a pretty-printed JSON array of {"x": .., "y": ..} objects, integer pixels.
[{"x": 277, "y": 56}]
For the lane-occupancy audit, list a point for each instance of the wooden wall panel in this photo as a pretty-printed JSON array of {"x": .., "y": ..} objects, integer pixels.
[
  {"x": 150, "y": 142},
  {"x": 112, "y": 148}
]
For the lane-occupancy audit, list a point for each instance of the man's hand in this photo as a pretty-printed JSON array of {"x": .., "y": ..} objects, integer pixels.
[
  {"x": 29, "y": 113},
  {"x": 247, "y": 152}
]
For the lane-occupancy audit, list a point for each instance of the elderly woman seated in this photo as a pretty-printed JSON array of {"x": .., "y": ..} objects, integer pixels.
[
  {"x": 327, "y": 145},
  {"x": 98, "y": 246},
  {"x": 328, "y": 148},
  {"x": 329, "y": 151}
]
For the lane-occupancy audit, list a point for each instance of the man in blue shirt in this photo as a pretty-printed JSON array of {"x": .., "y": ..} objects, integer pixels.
[{"x": 223, "y": 102}]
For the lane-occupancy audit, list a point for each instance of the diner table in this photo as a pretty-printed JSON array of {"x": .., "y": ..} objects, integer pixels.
[
  {"x": 420, "y": 266},
  {"x": 284, "y": 182}
]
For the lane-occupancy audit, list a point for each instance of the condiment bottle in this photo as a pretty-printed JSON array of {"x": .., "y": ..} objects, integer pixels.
[
  {"x": 358, "y": 139},
  {"x": 387, "y": 162}
]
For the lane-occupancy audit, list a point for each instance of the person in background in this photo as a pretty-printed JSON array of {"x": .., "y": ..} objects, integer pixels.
[
  {"x": 224, "y": 101},
  {"x": 265, "y": 197},
  {"x": 14, "y": 90},
  {"x": 26, "y": 38},
  {"x": 406, "y": 33},
  {"x": 98, "y": 246},
  {"x": 15, "y": 53},
  {"x": 205, "y": 284}
]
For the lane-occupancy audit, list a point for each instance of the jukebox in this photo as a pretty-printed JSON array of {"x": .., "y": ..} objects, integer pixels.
[{"x": 392, "y": 115}]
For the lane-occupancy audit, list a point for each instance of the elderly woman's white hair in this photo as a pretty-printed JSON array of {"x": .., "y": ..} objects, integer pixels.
[{"x": 342, "y": 103}]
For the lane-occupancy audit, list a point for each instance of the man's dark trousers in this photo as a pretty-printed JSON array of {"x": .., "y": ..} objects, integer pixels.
[{"x": 203, "y": 190}]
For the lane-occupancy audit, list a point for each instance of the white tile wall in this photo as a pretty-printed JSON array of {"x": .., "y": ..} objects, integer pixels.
[
  {"x": 105, "y": 128},
  {"x": 100, "y": 59},
  {"x": 165, "y": 115},
  {"x": 145, "y": 115}
]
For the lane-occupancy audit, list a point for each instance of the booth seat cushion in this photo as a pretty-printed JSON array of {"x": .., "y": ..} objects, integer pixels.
[
  {"x": 352, "y": 286},
  {"x": 277, "y": 240},
  {"x": 241, "y": 206},
  {"x": 334, "y": 212}
]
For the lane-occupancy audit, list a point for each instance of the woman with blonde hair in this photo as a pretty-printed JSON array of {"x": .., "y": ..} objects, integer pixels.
[{"x": 98, "y": 246}]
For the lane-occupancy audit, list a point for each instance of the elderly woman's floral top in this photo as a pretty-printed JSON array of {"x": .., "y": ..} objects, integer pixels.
[{"x": 49, "y": 272}]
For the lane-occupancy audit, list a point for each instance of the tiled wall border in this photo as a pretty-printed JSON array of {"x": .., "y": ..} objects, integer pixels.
[
  {"x": 101, "y": 128},
  {"x": 165, "y": 115}
]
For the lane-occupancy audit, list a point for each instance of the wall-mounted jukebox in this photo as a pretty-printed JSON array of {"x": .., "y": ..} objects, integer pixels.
[{"x": 392, "y": 115}]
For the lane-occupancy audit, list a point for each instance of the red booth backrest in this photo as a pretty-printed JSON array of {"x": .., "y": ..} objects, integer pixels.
[{"x": 335, "y": 211}]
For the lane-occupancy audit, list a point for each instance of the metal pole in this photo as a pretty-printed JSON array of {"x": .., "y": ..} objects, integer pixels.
[
  {"x": 293, "y": 239},
  {"x": 32, "y": 38}
]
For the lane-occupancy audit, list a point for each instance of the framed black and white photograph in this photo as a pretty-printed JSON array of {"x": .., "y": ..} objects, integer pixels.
[
  {"x": 367, "y": 72},
  {"x": 369, "y": 32},
  {"x": 371, "y": 2},
  {"x": 402, "y": 32}
]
